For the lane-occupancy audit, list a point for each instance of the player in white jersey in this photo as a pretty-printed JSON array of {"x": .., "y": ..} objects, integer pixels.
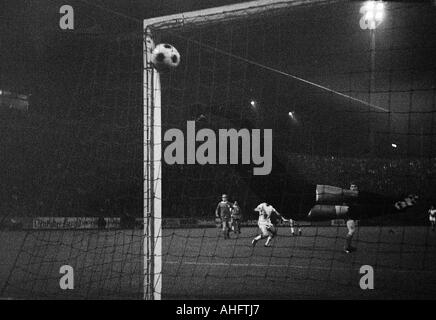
[
  {"x": 432, "y": 217},
  {"x": 267, "y": 221}
]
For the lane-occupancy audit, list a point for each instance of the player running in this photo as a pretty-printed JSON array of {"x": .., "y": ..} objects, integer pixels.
[
  {"x": 268, "y": 219},
  {"x": 432, "y": 217},
  {"x": 223, "y": 212},
  {"x": 236, "y": 218}
]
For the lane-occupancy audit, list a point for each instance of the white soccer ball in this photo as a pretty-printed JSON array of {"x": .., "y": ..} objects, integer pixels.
[{"x": 165, "y": 56}]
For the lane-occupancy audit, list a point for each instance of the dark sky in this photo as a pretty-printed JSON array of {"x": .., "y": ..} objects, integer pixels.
[{"x": 324, "y": 45}]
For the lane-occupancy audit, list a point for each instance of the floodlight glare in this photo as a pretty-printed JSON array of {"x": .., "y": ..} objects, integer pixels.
[
  {"x": 373, "y": 14},
  {"x": 380, "y": 6},
  {"x": 369, "y": 15}
]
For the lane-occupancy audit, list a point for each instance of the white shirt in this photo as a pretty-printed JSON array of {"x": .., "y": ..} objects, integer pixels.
[{"x": 265, "y": 212}]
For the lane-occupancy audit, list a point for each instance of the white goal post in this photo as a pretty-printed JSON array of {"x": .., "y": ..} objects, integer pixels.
[{"x": 152, "y": 119}]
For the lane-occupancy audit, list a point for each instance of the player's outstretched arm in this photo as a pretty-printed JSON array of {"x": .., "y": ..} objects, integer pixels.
[{"x": 338, "y": 205}]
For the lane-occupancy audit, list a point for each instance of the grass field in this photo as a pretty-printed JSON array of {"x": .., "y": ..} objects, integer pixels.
[{"x": 198, "y": 264}]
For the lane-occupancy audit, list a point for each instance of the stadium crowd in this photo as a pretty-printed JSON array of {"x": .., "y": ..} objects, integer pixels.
[{"x": 190, "y": 191}]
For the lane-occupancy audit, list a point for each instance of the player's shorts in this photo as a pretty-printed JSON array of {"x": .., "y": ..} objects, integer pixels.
[
  {"x": 225, "y": 223},
  {"x": 225, "y": 218},
  {"x": 432, "y": 219},
  {"x": 267, "y": 229}
]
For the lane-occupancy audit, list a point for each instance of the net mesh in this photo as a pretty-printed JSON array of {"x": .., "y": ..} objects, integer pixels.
[
  {"x": 337, "y": 99},
  {"x": 76, "y": 154},
  {"x": 344, "y": 105}
]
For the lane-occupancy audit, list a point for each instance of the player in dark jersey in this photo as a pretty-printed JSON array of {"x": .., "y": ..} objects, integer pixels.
[
  {"x": 236, "y": 218},
  {"x": 223, "y": 212}
]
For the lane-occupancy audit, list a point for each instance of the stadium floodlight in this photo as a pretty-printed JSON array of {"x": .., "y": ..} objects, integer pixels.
[
  {"x": 292, "y": 117},
  {"x": 373, "y": 14}
]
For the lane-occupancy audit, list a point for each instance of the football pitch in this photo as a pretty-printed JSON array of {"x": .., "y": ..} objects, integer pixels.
[{"x": 199, "y": 264}]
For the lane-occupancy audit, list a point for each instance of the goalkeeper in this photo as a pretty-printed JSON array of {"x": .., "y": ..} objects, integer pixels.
[
  {"x": 352, "y": 204},
  {"x": 223, "y": 213}
]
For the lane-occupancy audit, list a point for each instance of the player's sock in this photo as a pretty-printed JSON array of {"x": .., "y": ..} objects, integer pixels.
[
  {"x": 268, "y": 241},
  {"x": 254, "y": 241}
]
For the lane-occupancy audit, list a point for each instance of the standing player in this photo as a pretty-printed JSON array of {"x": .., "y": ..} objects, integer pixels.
[
  {"x": 236, "y": 218},
  {"x": 267, "y": 223},
  {"x": 432, "y": 217},
  {"x": 223, "y": 212},
  {"x": 351, "y": 226}
]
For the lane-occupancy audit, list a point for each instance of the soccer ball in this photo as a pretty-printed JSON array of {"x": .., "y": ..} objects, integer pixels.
[{"x": 165, "y": 56}]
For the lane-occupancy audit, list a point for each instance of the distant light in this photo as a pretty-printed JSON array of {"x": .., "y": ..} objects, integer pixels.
[
  {"x": 253, "y": 103},
  {"x": 394, "y": 145},
  {"x": 292, "y": 115}
]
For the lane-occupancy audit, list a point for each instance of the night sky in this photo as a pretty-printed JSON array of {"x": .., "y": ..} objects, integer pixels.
[{"x": 324, "y": 45}]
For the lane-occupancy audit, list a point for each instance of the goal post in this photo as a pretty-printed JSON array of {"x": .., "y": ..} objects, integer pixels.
[
  {"x": 152, "y": 117},
  {"x": 152, "y": 177}
]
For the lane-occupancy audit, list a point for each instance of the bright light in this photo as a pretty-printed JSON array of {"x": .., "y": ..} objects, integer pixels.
[
  {"x": 253, "y": 103},
  {"x": 370, "y": 5},
  {"x": 394, "y": 145},
  {"x": 291, "y": 114},
  {"x": 373, "y": 14},
  {"x": 380, "y": 7},
  {"x": 379, "y": 16},
  {"x": 369, "y": 15}
]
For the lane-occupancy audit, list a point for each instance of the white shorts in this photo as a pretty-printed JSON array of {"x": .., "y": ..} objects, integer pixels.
[
  {"x": 432, "y": 219},
  {"x": 267, "y": 229}
]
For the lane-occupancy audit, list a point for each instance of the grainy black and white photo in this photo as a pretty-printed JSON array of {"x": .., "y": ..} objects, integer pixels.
[{"x": 217, "y": 150}]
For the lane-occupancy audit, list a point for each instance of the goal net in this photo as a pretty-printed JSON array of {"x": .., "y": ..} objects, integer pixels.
[
  {"x": 346, "y": 102},
  {"x": 88, "y": 180},
  {"x": 72, "y": 175}
]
